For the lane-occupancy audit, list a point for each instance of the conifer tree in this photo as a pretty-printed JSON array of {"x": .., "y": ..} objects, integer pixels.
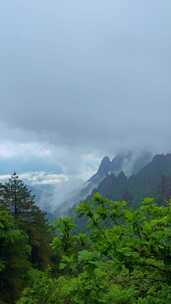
[
  {"x": 16, "y": 197},
  {"x": 20, "y": 201}
]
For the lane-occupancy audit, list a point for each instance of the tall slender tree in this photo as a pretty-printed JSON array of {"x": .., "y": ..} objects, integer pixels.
[
  {"x": 17, "y": 197},
  {"x": 20, "y": 201}
]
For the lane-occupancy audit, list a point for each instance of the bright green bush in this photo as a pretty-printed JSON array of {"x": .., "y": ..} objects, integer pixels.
[{"x": 122, "y": 256}]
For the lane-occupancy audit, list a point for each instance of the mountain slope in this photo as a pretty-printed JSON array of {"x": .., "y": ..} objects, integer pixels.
[
  {"x": 152, "y": 180},
  {"x": 122, "y": 165}
]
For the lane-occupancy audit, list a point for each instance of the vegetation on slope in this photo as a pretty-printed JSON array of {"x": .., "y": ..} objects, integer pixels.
[{"x": 120, "y": 256}]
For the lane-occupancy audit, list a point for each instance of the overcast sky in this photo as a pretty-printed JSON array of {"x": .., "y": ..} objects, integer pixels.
[{"x": 82, "y": 79}]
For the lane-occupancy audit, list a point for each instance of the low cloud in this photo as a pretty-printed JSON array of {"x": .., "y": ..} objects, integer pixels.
[
  {"x": 39, "y": 178},
  {"x": 79, "y": 80},
  {"x": 42, "y": 178}
]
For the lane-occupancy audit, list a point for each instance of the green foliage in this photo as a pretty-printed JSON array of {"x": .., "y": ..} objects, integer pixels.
[
  {"x": 124, "y": 257},
  {"x": 42, "y": 289},
  {"x": 18, "y": 199},
  {"x": 24, "y": 238},
  {"x": 14, "y": 254}
]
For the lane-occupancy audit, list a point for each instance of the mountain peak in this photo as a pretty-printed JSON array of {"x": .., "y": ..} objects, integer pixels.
[
  {"x": 105, "y": 166},
  {"x": 120, "y": 161},
  {"x": 162, "y": 157},
  {"x": 122, "y": 176}
]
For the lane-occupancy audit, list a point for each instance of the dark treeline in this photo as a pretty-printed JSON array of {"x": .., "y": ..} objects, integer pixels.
[{"x": 118, "y": 255}]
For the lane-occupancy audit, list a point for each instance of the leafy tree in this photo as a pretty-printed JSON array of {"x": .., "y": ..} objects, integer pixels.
[
  {"x": 124, "y": 257},
  {"x": 14, "y": 258}
]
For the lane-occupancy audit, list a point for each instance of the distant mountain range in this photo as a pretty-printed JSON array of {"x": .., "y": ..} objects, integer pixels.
[
  {"x": 120, "y": 168},
  {"x": 154, "y": 179},
  {"x": 129, "y": 176}
]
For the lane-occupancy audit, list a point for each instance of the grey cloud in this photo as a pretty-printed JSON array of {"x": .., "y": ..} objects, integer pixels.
[
  {"x": 87, "y": 76},
  {"x": 39, "y": 178}
]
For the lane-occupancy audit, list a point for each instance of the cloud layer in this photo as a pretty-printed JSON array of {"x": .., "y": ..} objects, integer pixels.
[{"x": 83, "y": 79}]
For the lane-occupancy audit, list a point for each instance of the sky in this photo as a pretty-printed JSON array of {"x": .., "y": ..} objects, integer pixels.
[{"x": 80, "y": 80}]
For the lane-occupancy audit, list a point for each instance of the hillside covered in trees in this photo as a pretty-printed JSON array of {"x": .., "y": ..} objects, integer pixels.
[{"x": 119, "y": 255}]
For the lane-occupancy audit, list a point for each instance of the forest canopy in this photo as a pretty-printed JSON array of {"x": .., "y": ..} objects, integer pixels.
[{"x": 107, "y": 253}]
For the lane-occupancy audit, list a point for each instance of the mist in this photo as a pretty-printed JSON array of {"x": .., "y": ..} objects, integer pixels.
[{"x": 79, "y": 81}]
